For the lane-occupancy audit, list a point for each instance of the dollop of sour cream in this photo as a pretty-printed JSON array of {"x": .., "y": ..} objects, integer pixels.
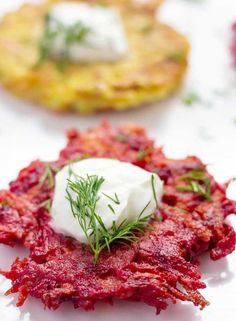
[
  {"x": 104, "y": 39},
  {"x": 136, "y": 190}
]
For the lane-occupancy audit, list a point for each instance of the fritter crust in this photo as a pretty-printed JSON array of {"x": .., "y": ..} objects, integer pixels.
[
  {"x": 154, "y": 68},
  {"x": 161, "y": 267}
]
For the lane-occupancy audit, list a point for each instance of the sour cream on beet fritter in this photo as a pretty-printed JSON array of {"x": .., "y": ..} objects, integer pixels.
[{"x": 125, "y": 193}]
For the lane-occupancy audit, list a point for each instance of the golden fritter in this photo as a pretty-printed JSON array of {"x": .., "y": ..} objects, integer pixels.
[{"x": 153, "y": 69}]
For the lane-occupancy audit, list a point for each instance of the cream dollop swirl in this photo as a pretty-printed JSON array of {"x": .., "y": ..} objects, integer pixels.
[{"x": 126, "y": 192}]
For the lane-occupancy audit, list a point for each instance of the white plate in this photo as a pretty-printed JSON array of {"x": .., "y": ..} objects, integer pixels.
[{"x": 207, "y": 129}]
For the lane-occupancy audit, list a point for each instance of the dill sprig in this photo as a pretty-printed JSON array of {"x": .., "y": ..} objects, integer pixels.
[
  {"x": 114, "y": 199},
  {"x": 197, "y": 183},
  {"x": 154, "y": 190},
  {"x": 142, "y": 153},
  {"x": 48, "y": 176},
  {"x": 122, "y": 138},
  {"x": 83, "y": 207},
  {"x": 3, "y": 204},
  {"x": 178, "y": 57},
  {"x": 47, "y": 39},
  {"x": 70, "y": 34},
  {"x": 47, "y": 204},
  {"x": 191, "y": 98},
  {"x": 75, "y": 33},
  {"x": 147, "y": 28}
]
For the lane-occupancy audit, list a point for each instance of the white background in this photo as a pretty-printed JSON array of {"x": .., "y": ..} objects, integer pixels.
[{"x": 206, "y": 129}]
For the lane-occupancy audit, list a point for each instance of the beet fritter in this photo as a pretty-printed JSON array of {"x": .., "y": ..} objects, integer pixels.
[{"x": 161, "y": 267}]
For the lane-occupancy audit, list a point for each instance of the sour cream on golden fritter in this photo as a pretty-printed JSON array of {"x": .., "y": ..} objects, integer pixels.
[
  {"x": 119, "y": 191},
  {"x": 86, "y": 33}
]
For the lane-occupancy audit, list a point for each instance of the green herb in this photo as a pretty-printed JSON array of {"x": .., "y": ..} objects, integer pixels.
[
  {"x": 176, "y": 56},
  {"x": 115, "y": 199},
  {"x": 197, "y": 183},
  {"x": 76, "y": 33},
  {"x": 47, "y": 39},
  {"x": 191, "y": 99},
  {"x": 197, "y": 173},
  {"x": 142, "y": 153},
  {"x": 48, "y": 176},
  {"x": 122, "y": 138},
  {"x": 46, "y": 204},
  {"x": 83, "y": 207},
  {"x": 61, "y": 63},
  {"x": 154, "y": 190},
  {"x": 71, "y": 35},
  {"x": 147, "y": 28},
  {"x": 4, "y": 204},
  {"x": 111, "y": 208}
]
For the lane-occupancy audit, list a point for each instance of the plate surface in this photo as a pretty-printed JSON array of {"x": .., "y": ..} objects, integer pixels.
[{"x": 207, "y": 129}]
